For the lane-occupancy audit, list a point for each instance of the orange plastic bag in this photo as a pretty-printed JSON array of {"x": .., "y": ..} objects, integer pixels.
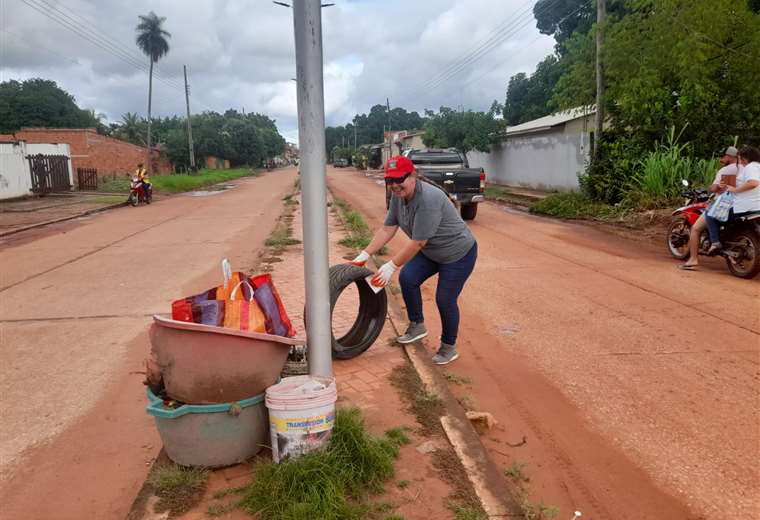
[{"x": 244, "y": 314}]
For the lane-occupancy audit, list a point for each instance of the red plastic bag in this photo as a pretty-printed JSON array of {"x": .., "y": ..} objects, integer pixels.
[{"x": 270, "y": 302}]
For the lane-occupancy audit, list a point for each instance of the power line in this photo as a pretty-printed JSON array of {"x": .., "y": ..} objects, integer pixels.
[
  {"x": 102, "y": 42},
  {"x": 513, "y": 29},
  {"x": 107, "y": 40},
  {"x": 516, "y": 25},
  {"x": 493, "y": 34},
  {"x": 527, "y": 45}
]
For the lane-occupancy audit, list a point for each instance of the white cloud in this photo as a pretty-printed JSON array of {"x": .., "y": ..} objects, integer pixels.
[{"x": 240, "y": 54}]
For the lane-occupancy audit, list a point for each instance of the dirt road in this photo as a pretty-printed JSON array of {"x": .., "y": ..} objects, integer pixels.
[
  {"x": 635, "y": 386},
  {"x": 75, "y": 305}
]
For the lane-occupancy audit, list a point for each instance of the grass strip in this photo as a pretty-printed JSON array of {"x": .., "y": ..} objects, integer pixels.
[
  {"x": 359, "y": 234},
  {"x": 328, "y": 484},
  {"x": 178, "y": 183},
  {"x": 575, "y": 206},
  {"x": 179, "y": 488}
]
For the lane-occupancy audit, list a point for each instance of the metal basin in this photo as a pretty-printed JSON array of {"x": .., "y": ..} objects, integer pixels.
[{"x": 201, "y": 364}]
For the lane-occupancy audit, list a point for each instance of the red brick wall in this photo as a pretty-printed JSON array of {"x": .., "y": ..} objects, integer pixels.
[{"x": 91, "y": 150}]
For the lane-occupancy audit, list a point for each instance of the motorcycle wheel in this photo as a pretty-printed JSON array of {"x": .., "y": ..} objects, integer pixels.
[
  {"x": 748, "y": 264},
  {"x": 133, "y": 200},
  {"x": 678, "y": 238}
]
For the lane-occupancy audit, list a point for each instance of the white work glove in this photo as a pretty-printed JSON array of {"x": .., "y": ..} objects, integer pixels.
[
  {"x": 361, "y": 259},
  {"x": 384, "y": 274}
]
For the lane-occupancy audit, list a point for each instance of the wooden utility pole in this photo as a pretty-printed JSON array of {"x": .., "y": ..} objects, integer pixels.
[
  {"x": 189, "y": 126},
  {"x": 600, "y": 14}
]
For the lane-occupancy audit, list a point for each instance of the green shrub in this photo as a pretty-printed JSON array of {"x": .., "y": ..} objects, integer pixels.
[{"x": 658, "y": 176}]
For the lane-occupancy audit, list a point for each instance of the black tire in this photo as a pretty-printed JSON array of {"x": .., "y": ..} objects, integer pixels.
[
  {"x": 469, "y": 211},
  {"x": 370, "y": 319},
  {"x": 749, "y": 264},
  {"x": 133, "y": 199},
  {"x": 677, "y": 238}
]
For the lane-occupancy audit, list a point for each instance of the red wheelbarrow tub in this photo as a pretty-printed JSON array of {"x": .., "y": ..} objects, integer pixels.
[{"x": 202, "y": 364}]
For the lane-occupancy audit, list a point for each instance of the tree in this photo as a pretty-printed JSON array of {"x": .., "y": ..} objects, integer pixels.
[
  {"x": 41, "y": 102},
  {"x": 529, "y": 98},
  {"x": 369, "y": 127},
  {"x": 670, "y": 64},
  {"x": 561, "y": 18},
  {"x": 152, "y": 41},
  {"x": 464, "y": 131},
  {"x": 131, "y": 128},
  {"x": 564, "y": 18}
]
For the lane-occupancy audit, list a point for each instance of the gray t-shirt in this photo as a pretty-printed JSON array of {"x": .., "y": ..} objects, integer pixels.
[{"x": 431, "y": 216}]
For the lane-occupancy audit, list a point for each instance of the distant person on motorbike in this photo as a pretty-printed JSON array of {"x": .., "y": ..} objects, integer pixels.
[
  {"x": 729, "y": 163},
  {"x": 746, "y": 193},
  {"x": 142, "y": 176},
  {"x": 440, "y": 243}
]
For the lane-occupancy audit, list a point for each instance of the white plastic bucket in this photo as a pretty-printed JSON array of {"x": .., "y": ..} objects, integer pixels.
[{"x": 301, "y": 415}]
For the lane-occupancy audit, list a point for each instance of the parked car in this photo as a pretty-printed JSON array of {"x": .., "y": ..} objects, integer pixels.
[
  {"x": 340, "y": 163},
  {"x": 449, "y": 170}
]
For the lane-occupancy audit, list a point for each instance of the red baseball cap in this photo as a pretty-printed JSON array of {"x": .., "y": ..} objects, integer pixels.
[{"x": 398, "y": 166}]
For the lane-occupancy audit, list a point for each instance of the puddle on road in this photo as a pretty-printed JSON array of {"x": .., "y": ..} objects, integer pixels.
[{"x": 213, "y": 190}]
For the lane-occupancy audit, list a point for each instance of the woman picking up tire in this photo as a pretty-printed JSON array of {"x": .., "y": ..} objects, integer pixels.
[{"x": 440, "y": 242}]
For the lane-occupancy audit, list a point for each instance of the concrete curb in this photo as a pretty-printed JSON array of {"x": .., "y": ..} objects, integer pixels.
[
  {"x": 496, "y": 495},
  {"x": 62, "y": 219}
]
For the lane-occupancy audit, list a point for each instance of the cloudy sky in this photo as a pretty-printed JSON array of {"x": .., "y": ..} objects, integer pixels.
[{"x": 240, "y": 53}]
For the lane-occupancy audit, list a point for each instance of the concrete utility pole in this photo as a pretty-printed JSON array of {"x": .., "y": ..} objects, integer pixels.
[
  {"x": 189, "y": 126},
  {"x": 307, "y": 23},
  {"x": 601, "y": 11},
  {"x": 388, "y": 104},
  {"x": 354, "y": 136}
]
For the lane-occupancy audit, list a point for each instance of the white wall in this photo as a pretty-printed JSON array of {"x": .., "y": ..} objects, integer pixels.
[
  {"x": 15, "y": 178},
  {"x": 549, "y": 160}
]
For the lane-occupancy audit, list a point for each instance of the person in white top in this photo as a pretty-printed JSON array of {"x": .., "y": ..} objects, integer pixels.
[
  {"x": 746, "y": 193},
  {"x": 729, "y": 168}
]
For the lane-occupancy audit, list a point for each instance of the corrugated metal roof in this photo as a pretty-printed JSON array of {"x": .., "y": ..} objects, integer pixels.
[{"x": 547, "y": 122}]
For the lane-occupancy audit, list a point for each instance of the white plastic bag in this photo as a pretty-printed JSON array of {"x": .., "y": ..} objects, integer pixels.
[{"x": 721, "y": 206}]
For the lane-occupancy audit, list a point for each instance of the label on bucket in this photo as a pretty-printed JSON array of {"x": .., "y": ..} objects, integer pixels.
[{"x": 294, "y": 434}]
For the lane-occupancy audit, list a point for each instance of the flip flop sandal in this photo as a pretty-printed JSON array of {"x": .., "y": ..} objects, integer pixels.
[{"x": 685, "y": 267}]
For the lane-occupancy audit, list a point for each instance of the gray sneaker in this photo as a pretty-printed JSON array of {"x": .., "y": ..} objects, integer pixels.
[
  {"x": 446, "y": 354},
  {"x": 413, "y": 332}
]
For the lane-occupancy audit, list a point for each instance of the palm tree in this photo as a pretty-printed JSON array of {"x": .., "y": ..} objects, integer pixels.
[
  {"x": 151, "y": 38},
  {"x": 130, "y": 128}
]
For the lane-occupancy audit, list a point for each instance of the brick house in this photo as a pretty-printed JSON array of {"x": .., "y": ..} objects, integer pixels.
[{"x": 91, "y": 150}]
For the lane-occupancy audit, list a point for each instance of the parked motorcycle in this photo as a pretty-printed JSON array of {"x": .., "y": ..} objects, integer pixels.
[
  {"x": 740, "y": 238},
  {"x": 140, "y": 192}
]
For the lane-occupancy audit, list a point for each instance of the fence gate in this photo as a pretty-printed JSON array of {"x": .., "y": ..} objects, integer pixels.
[
  {"x": 50, "y": 173},
  {"x": 87, "y": 179}
]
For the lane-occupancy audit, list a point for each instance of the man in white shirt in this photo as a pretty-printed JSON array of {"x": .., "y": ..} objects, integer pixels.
[
  {"x": 746, "y": 193},
  {"x": 729, "y": 168}
]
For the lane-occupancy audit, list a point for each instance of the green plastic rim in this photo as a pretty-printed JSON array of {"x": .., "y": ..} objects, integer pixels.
[{"x": 156, "y": 406}]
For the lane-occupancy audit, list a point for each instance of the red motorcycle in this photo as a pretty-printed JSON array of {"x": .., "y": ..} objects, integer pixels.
[
  {"x": 740, "y": 237},
  {"x": 685, "y": 217},
  {"x": 140, "y": 192}
]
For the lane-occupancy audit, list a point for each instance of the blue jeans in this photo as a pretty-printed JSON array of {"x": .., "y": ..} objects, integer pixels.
[
  {"x": 451, "y": 278},
  {"x": 713, "y": 225}
]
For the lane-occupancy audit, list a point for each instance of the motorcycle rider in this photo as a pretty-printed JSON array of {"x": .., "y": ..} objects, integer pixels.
[
  {"x": 142, "y": 176},
  {"x": 746, "y": 193},
  {"x": 729, "y": 163}
]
